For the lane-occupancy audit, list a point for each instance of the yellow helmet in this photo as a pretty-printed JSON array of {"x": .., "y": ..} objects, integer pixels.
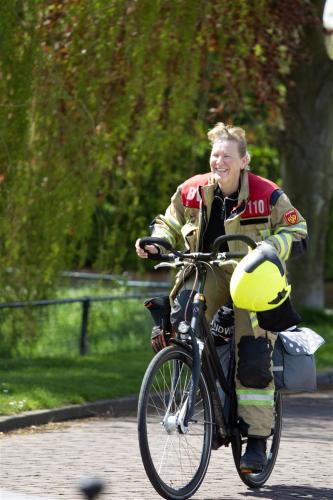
[{"x": 259, "y": 281}]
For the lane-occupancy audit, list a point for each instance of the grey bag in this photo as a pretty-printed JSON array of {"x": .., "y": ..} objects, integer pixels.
[{"x": 294, "y": 364}]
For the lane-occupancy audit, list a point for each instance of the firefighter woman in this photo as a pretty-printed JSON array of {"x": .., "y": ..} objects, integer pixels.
[{"x": 230, "y": 199}]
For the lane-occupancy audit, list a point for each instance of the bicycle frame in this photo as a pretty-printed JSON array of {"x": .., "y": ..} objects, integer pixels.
[
  {"x": 200, "y": 332},
  {"x": 193, "y": 370}
]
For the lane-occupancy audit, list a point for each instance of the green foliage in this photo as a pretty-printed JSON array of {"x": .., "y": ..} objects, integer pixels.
[
  {"x": 105, "y": 110},
  {"x": 18, "y": 52}
]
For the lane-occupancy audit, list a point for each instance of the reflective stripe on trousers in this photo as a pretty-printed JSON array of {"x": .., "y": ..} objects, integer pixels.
[{"x": 255, "y": 397}]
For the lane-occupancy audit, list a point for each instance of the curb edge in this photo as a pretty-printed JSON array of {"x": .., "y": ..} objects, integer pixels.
[{"x": 111, "y": 407}]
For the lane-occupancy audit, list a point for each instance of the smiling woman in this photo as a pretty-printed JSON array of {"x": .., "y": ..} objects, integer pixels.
[
  {"x": 229, "y": 156},
  {"x": 230, "y": 200}
]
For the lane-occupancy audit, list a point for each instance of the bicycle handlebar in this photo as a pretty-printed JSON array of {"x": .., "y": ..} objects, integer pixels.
[
  {"x": 233, "y": 237},
  {"x": 149, "y": 240}
]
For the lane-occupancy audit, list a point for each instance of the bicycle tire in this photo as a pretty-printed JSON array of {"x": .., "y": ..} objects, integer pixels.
[
  {"x": 273, "y": 442},
  {"x": 175, "y": 463}
]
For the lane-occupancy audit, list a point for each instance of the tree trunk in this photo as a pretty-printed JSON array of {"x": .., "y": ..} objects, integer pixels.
[{"x": 306, "y": 151}]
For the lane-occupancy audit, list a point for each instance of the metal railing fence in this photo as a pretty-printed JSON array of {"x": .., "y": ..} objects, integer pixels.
[{"x": 102, "y": 322}]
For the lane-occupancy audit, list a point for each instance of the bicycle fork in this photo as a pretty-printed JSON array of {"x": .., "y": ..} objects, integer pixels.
[{"x": 180, "y": 420}]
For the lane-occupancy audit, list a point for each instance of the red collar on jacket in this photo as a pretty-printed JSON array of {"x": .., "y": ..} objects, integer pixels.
[{"x": 255, "y": 190}]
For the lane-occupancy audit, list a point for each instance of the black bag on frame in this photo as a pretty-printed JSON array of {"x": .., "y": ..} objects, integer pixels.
[{"x": 160, "y": 309}]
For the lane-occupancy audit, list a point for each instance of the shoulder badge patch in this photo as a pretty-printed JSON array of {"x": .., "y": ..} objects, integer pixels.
[{"x": 291, "y": 217}]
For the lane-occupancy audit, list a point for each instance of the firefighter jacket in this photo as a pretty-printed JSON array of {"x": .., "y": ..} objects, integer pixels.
[{"x": 263, "y": 212}]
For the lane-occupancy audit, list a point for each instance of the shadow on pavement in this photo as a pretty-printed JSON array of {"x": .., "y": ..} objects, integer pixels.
[
  {"x": 309, "y": 406},
  {"x": 280, "y": 491}
]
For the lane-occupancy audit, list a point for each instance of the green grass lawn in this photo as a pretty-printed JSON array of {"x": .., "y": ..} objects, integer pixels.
[
  {"x": 39, "y": 383},
  {"x": 55, "y": 375}
]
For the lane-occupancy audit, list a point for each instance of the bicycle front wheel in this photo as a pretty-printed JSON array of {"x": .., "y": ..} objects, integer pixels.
[{"x": 175, "y": 459}]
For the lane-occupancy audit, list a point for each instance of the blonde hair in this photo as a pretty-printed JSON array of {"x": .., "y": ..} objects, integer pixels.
[{"x": 223, "y": 132}]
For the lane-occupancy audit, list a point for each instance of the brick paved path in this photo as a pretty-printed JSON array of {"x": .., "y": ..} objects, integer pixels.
[{"x": 50, "y": 461}]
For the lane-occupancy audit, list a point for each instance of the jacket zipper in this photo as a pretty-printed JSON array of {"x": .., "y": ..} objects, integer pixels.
[{"x": 202, "y": 223}]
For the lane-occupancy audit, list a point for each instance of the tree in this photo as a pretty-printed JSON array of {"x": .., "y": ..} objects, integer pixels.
[
  {"x": 306, "y": 148},
  {"x": 294, "y": 83}
]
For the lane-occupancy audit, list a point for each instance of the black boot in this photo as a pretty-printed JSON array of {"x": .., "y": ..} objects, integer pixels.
[{"x": 254, "y": 459}]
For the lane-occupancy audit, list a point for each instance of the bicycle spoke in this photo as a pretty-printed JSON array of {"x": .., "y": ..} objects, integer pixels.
[
  {"x": 157, "y": 392},
  {"x": 159, "y": 411},
  {"x": 163, "y": 454}
]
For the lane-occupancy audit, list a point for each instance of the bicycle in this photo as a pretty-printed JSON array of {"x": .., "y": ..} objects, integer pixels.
[{"x": 181, "y": 416}]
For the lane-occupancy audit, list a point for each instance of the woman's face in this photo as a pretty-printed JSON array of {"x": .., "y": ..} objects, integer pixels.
[{"x": 226, "y": 165}]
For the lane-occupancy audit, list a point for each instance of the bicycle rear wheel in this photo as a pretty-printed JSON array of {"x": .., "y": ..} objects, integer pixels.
[
  {"x": 175, "y": 461},
  {"x": 273, "y": 442}
]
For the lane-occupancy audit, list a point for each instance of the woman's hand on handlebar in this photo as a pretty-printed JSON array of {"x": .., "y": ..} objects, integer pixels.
[{"x": 143, "y": 253}]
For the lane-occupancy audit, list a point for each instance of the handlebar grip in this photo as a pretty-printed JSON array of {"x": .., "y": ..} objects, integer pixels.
[
  {"x": 150, "y": 240},
  {"x": 235, "y": 255},
  {"x": 233, "y": 237}
]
